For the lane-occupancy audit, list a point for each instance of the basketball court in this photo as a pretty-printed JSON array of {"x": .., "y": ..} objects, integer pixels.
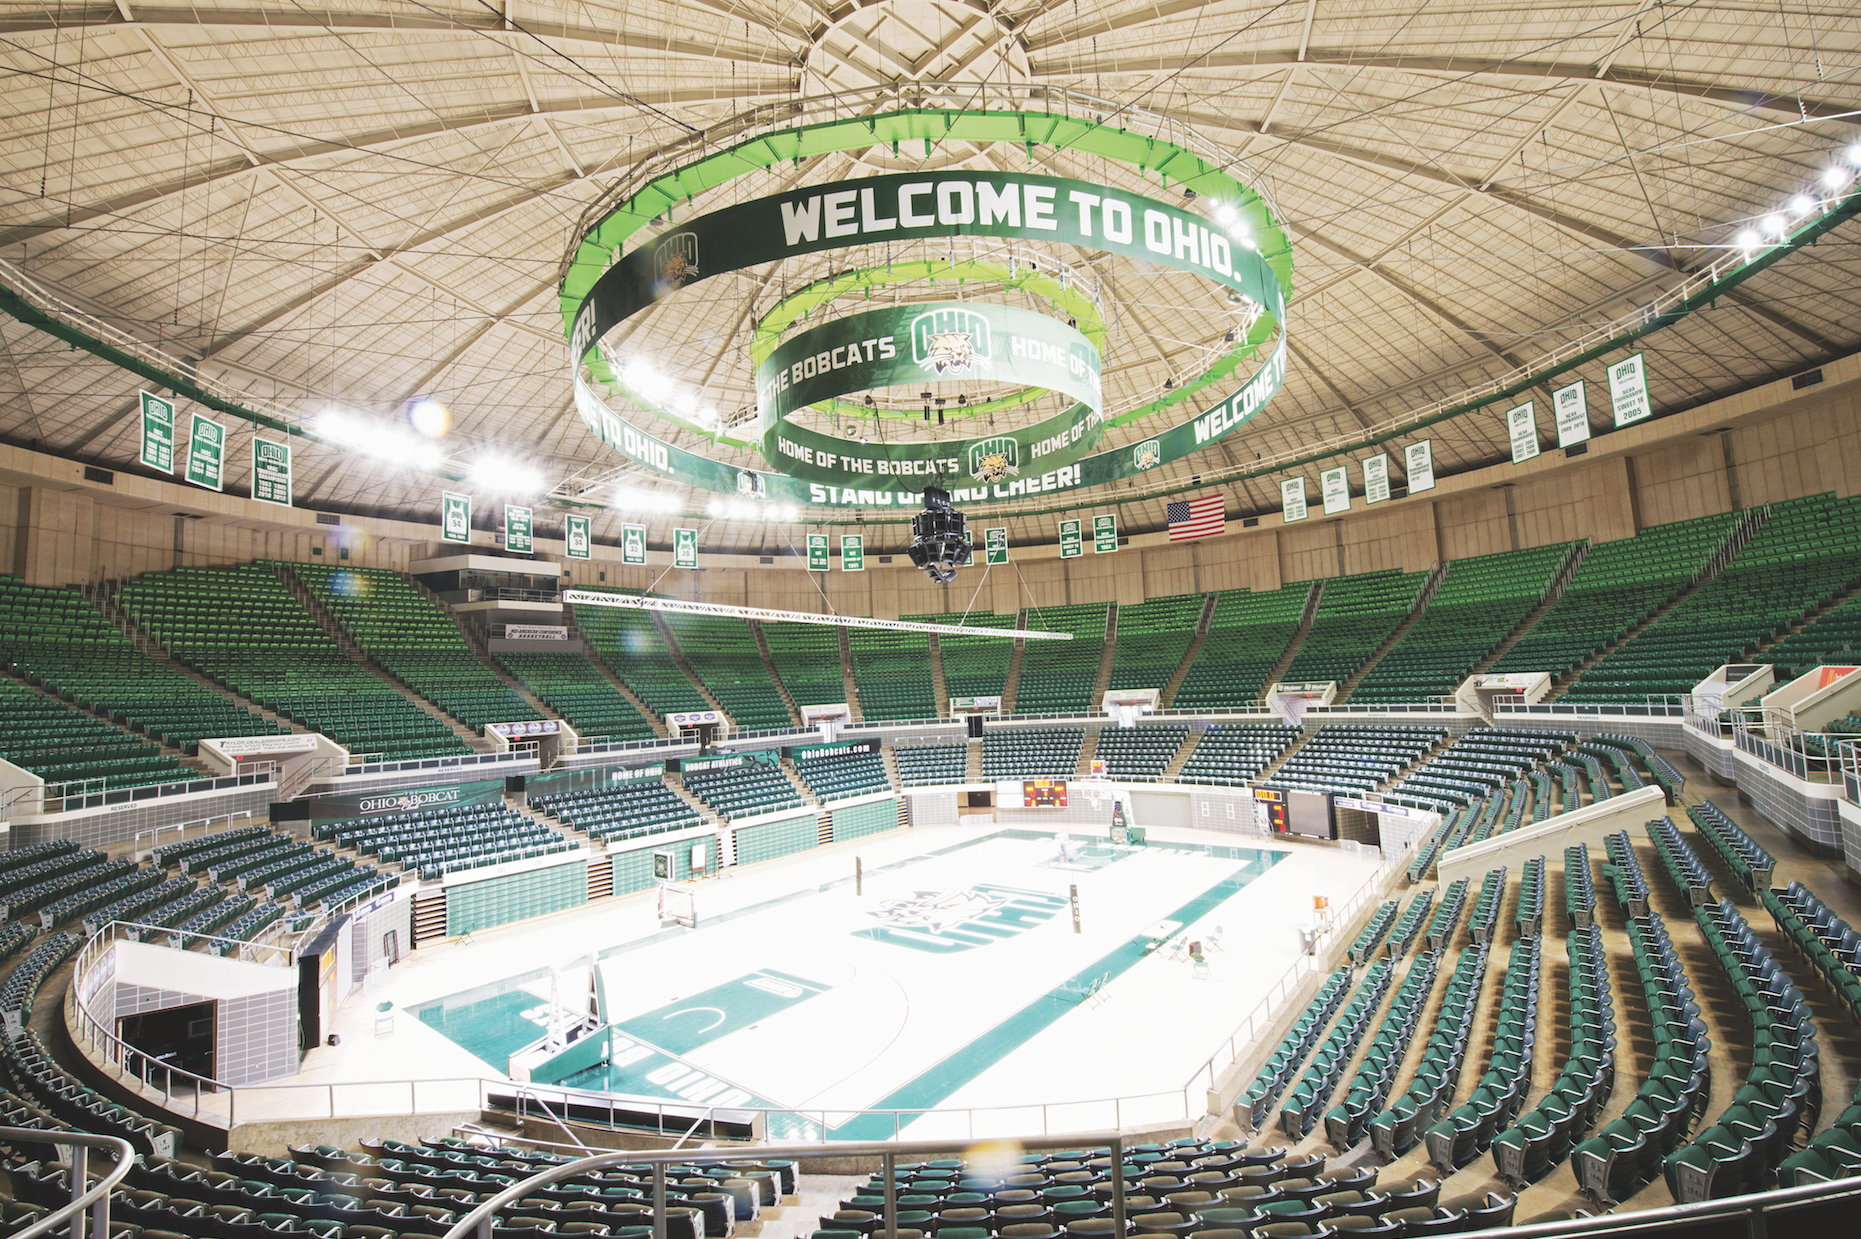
[{"x": 950, "y": 979}]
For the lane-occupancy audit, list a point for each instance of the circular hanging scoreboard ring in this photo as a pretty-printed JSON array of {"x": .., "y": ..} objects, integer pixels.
[
  {"x": 921, "y": 343},
  {"x": 603, "y": 286}
]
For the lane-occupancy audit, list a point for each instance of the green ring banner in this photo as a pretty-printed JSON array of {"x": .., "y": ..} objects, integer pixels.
[{"x": 919, "y": 343}]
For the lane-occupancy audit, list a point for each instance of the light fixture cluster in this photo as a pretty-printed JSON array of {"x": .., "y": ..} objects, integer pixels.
[
  {"x": 511, "y": 477},
  {"x": 1837, "y": 182},
  {"x": 379, "y": 440},
  {"x": 1230, "y": 219},
  {"x": 753, "y": 510},
  {"x": 632, "y": 499},
  {"x": 649, "y": 382}
]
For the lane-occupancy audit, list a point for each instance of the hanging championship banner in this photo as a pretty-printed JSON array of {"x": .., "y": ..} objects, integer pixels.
[
  {"x": 271, "y": 472},
  {"x": 1573, "y": 414},
  {"x": 852, "y": 552},
  {"x": 517, "y": 532},
  {"x": 1071, "y": 543},
  {"x": 817, "y": 552},
  {"x": 1522, "y": 424},
  {"x": 1628, "y": 391},
  {"x": 1104, "y": 534},
  {"x": 455, "y": 517},
  {"x": 1334, "y": 487},
  {"x": 633, "y": 544},
  {"x": 995, "y": 542},
  {"x": 157, "y": 433},
  {"x": 916, "y": 344},
  {"x": 1292, "y": 500},
  {"x": 1376, "y": 479},
  {"x": 577, "y": 536},
  {"x": 684, "y": 548},
  {"x": 1420, "y": 459},
  {"x": 206, "y": 453}
]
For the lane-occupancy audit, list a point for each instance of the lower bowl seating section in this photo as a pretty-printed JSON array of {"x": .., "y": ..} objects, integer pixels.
[
  {"x": 1476, "y": 765},
  {"x": 836, "y": 776},
  {"x": 921, "y": 765},
  {"x": 1299, "y": 1114},
  {"x": 1138, "y": 752},
  {"x": 1057, "y": 677},
  {"x": 1830, "y": 944},
  {"x": 807, "y": 658},
  {"x": 722, "y": 653},
  {"x": 1246, "y": 635},
  {"x": 1372, "y": 934},
  {"x": 1547, "y": 1133},
  {"x": 75, "y": 751},
  {"x": 1399, "y": 1128},
  {"x": 629, "y": 642},
  {"x": 1659, "y": 768},
  {"x": 1034, "y": 753},
  {"x": 1355, "y": 616},
  {"x": 1408, "y": 926},
  {"x": 1470, "y": 1128},
  {"x": 1806, "y": 551},
  {"x": 418, "y": 643},
  {"x": 1229, "y": 754},
  {"x": 574, "y": 688},
  {"x": 242, "y": 628},
  {"x": 629, "y": 810},
  {"x": 1294, "y": 1046},
  {"x": 1751, "y": 863},
  {"x": 436, "y": 842},
  {"x": 1349, "y": 1121},
  {"x": 973, "y": 666},
  {"x": 1152, "y": 637},
  {"x": 1617, "y": 584},
  {"x": 56, "y": 638},
  {"x": 1354, "y": 758},
  {"x": 28, "y": 888},
  {"x": 892, "y": 672},
  {"x": 256, "y": 859},
  {"x": 1478, "y": 602},
  {"x": 743, "y": 790},
  {"x": 1627, "y": 1153}
]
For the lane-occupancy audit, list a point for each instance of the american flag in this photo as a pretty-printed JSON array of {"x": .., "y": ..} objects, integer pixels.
[{"x": 1196, "y": 518}]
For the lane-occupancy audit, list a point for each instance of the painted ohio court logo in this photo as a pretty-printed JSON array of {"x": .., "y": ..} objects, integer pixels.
[
  {"x": 945, "y": 922},
  {"x": 950, "y": 342},
  {"x": 992, "y": 460}
]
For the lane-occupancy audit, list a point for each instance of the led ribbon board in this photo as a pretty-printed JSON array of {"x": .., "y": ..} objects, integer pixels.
[
  {"x": 604, "y": 284},
  {"x": 919, "y": 343}
]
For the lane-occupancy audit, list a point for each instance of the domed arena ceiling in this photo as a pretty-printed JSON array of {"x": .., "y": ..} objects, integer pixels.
[{"x": 780, "y": 266}]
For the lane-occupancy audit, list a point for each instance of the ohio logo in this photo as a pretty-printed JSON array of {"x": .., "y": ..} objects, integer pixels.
[
  {"x": 751, "y": 485},
  {"x": 992, "y": 460},
  {"x": 675, "y": 260},
  {"x": 951, "y": 342},
  {"x": 1147, "y": 455},
  {"x": 945, "y": 922}
]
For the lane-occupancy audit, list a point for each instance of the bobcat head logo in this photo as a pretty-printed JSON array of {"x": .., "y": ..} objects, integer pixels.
[
  {"x": 950, "y": 353},
  {"x": 675, "y": 260},
  {"x": 992, "y": 460},
  {"x": 1147, "y": 455},
  {"x": 951, "y": 341}
]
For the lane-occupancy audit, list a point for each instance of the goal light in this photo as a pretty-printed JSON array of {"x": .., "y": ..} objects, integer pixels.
[{"x": 939, "y": 537}]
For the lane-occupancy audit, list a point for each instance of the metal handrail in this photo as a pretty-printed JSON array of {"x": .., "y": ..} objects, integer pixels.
[
  {"x": 478, "y": 1223},
  {"x": 95, "y": 1200}
]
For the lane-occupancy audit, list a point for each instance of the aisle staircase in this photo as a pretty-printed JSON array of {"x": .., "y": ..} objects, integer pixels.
[
  {"x": 1168, "y": 694},
  {"x": 1559, "y": 584},
  {"x": 768, "y": 665},
  {"x": 1011, "y": 684},
  {"x": 593, "y": 656},
  {"x": 1103, "y": 681},
  {"x": 847, "y": 679},
  {"x": 939, "y": 686},
  {"x": 1183, "y": 752},
  {"x": 475, "y": 641},
  {"x": 678, "y": 660},
  {"x": 1088, "y": 749},
  {"x": 1298, "y": 639},
  {"x": 1422, "y": 601},
  {"x": 795, "y": 780}
]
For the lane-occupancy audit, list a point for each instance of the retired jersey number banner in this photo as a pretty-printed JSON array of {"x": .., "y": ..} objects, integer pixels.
[
  {"x": 577, "y": 536},
  {"x": 684, "y": 548},
  {"x": 455, "y": 517},
  {"x": 271, "y": 472},
  {"x": 633, "y": 544},
  {"x": 995, "y": 545},
  {"x": 916, "y": 344},
  {"x": 157, "y": 433}
]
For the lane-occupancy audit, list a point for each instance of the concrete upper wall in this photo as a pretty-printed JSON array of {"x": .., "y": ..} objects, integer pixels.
[{"x": 1768, "y": 444}]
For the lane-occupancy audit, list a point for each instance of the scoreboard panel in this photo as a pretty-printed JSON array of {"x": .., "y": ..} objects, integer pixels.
[{"x": 1043, "y": 794}]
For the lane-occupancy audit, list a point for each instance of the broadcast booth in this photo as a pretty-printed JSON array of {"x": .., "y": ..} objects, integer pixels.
[
  {"x": 706, "y": 727},
  {"x": 973, "y": 710},
  {"x": 829, "y": 719},
  {"x": 1126, "y": 704}
]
